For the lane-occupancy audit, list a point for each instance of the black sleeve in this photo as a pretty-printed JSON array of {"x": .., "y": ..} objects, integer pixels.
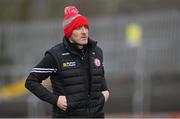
[
  {"x": 40, "y": 72},
  {"x": 104, "y": 84}
]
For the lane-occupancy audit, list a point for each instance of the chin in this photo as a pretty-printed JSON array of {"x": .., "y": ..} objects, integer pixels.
[{"x": 84, "y": 43}]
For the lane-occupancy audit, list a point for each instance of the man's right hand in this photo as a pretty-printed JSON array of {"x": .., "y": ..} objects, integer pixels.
[{"x": 62, "y": 103}]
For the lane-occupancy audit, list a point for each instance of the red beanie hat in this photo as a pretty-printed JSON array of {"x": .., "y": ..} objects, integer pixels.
[{"x": 72, "y": 20}]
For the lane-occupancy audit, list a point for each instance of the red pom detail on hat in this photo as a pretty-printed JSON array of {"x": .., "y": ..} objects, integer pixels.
[
  {"x": 70, "y": 11},
  {"x": 72, "y": 20}
]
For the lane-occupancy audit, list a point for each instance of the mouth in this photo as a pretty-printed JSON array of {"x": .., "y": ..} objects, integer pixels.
[{"x": 84, "y": 37}]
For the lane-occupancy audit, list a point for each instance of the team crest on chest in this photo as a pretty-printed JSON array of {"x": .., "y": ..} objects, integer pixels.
[{"x": 97, "y": 62}]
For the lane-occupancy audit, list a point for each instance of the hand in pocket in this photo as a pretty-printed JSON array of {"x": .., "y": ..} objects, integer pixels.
[
  {"x": 106, "y": 94},
  {"x": 62, "y": 103}
]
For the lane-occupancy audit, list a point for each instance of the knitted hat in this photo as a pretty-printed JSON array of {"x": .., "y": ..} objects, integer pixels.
[{"x": 72, "y": 20}]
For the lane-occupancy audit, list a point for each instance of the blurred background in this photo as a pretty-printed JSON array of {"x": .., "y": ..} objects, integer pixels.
[{"x": 140, "y": 40}]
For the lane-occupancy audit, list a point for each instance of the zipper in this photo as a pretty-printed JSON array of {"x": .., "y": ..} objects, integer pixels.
[
  {"x": 88, "y": 108},
  {"x": 88, "y": 72},
  {"x": 89, "y": 82},
  {"x": 83, "y": 55},
  {"x": 82, "y": 58}
]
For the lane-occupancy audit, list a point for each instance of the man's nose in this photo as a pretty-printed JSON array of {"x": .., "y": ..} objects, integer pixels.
[{"x": 84, "y": 30}]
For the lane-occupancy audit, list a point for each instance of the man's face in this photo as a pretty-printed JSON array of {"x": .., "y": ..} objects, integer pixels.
[{"x": 80, "y": 35}]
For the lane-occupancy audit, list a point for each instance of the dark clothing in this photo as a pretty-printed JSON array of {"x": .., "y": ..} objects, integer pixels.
[{"x": 74, "y": 73}]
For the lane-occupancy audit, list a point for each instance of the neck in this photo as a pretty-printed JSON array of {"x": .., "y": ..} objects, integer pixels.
[{"x": 80, "y": 46}]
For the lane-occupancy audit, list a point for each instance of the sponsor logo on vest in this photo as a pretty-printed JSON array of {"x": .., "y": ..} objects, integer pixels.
[
  {"x": 97, "y": 62},
  {"x": 69, "y": 64},
  {"x": 66, "y": 53}
]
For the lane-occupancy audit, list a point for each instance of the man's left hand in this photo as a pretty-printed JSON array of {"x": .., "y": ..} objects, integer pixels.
[{"x": 106, "y": 94}]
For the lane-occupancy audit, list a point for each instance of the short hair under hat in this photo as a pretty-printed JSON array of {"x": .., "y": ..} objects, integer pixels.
[{"x": 72, "y": 20}]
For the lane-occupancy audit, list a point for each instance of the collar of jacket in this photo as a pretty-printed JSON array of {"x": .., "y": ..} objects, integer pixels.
[{"x": 91, "y": 45}]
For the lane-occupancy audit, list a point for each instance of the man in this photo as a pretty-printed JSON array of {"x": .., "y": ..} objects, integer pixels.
[{"x": 76, "y": 71}]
